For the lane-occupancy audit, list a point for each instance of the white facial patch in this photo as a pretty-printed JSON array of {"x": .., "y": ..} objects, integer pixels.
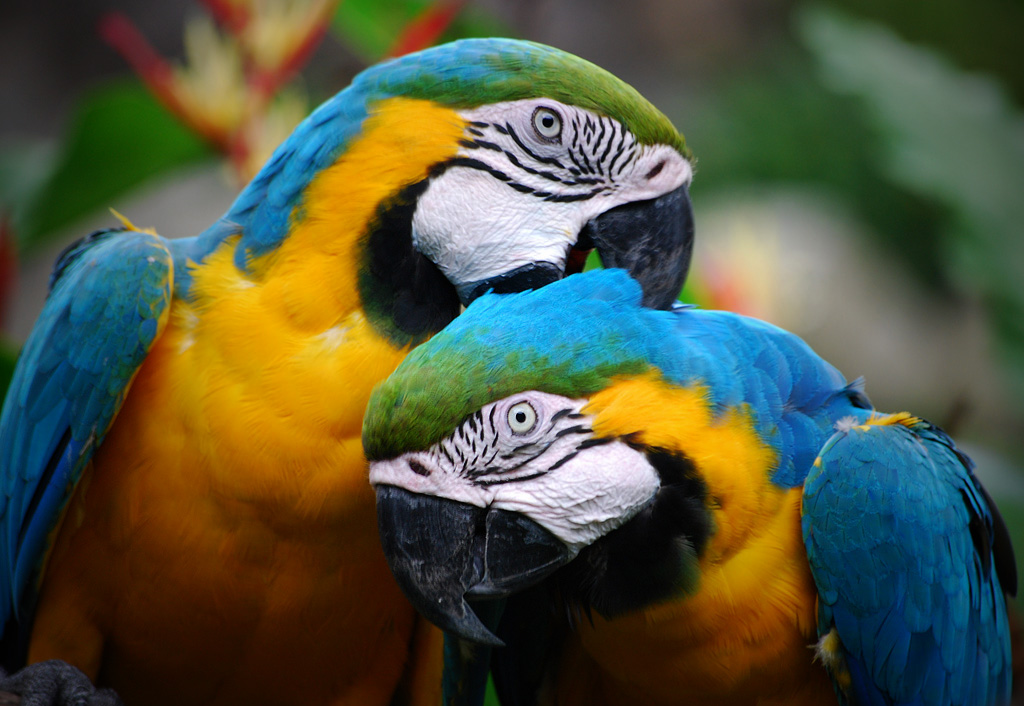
[
  {"x": 528, "y": 177},
  {"x": 557, "y": 474},
  {"x": 474, "y": 226},
  {"x": 597, "y": 491}
]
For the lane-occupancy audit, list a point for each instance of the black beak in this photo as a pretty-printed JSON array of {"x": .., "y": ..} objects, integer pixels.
[
  {"x": 651, "y": 239},
  {"x": 443, "y": 552}
]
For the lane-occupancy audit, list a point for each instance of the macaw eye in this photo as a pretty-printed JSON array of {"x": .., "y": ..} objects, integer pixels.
[
  {"x": 547, "y": 124},
  {"x": 522, "y": 418}
]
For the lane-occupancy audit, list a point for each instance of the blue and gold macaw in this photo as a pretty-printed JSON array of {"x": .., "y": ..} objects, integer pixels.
[
  {"x": 676, "y": 506},
  {"x": 185, "y": 514}
]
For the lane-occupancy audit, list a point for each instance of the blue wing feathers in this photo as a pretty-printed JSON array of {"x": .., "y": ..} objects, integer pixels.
[
  {"x": 44, "y": 507},
  {"x": 108, "y": 297},
  {"x": 898, "y": 532}
]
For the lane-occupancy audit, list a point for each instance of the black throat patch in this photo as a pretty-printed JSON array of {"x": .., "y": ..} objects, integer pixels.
[
  {"x": 404, "y": 294},
  {"x": 651, "y": 558}
]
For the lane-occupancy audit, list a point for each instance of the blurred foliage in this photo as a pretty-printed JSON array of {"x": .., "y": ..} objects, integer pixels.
[
  {"x": 775, "y": 124},
  {"x": 231, "y": 87},
  {"x": 117, "y": 139},
  {"x": 8, "y": 357},
  {"x": 120, "y": 136},
  {"x": 980, "y": 36},
  {"x": 25, "y": 166},
  {"x": 947, "y": 137},
  {"x": 930, "y": 157},
  {"x": 370, "y": 27}
]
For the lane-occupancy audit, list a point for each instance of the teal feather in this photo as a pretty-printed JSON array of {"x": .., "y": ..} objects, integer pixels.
[
  {"x": 95, "y": 330},
  {"x": 917, "y": 600}
]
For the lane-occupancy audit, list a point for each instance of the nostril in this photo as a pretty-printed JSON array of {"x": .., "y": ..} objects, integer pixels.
[
  {"x": 655, "y": 170},
  {"x": 418, "y": 468}
]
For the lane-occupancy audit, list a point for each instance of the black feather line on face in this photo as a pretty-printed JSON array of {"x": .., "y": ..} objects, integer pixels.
[
  {"x": 616, "y": 132},
  {"x": 651, "y": 558}
]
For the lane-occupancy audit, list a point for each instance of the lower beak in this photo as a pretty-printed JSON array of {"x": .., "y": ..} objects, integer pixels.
[
  {"x": 443, "y": 552},
  {"x": 651, "y": 239}
]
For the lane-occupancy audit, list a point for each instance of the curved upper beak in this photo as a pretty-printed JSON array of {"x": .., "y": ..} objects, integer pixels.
[
  {"x": 652, "y": 239},
  {"x": 442, "y": 552}
]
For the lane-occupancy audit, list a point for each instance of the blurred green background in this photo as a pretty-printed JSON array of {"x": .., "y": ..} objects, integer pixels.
[{"x": 860, "y": 174}]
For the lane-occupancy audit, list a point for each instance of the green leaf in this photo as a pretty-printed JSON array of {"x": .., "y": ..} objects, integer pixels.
[
  {"x": 118, "y": 137},
  {"x": 370, "y": 27},
  {"x": 8, "y": 357},
  {"x": 491, "y": 695}
]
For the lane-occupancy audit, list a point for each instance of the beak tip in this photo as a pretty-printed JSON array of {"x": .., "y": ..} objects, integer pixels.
[
  {"x": 463, "y": 622},
  {"x": 438, "y": 559},
  {"x": 428, "y": 546}
]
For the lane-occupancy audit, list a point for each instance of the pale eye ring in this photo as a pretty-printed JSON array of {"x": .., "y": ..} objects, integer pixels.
[
  {"x": 547, "y": 123},
  {"x": 522, "y": 418}
]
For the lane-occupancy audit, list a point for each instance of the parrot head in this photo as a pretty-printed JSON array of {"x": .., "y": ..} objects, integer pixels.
[
  {"x": 494, "y": 469},
  {"x": 483, "y": 165}
]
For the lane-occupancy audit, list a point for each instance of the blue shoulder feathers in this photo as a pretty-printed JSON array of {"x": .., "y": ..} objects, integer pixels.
[{"x": 109, "y": 295}]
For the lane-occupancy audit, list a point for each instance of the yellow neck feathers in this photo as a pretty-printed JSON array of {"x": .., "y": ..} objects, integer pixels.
[
  {"x": 312, "y": 276},
  {"x": 727, "y": 453},
  {"x": 746, "y": 629},
  {"x": 278, "y": 363}
]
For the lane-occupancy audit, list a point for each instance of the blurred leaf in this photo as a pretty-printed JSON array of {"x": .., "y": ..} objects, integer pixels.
[
  {"x": 775, "y": 123},
  {"x": 491, "y": 695},
  {"x": 473, "y": 22},
  {"x": 24, "y": 166},
  {"x": 118, "y": 138},
  {"x": 8, "y": 357},
  {"x": 426, "y": 28},
  {"x": 981, "y": 36},
  {"x": 371, "y": 27},
  {"x": 949, "y": 136}
]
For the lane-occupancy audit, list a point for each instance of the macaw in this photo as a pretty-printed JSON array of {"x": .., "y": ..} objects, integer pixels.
[
  {"x": 680, "y": 506},
  {"x": 185, "y": 514}
]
